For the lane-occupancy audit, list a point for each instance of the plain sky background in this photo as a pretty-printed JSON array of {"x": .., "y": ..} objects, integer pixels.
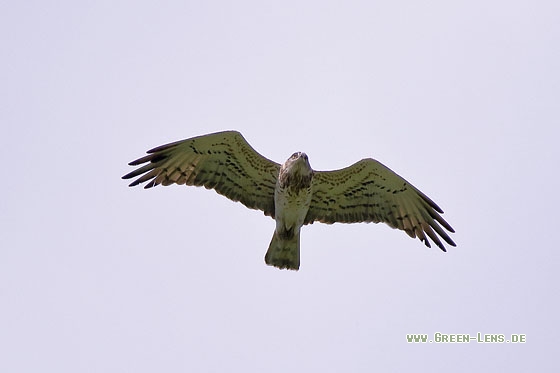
[{"x": 461, "y": 98}]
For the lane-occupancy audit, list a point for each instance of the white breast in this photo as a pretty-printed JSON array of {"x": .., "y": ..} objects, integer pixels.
[{"x": 291, "y": 208}]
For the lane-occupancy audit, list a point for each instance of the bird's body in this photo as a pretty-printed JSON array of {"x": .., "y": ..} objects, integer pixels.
[
  {"x": 292, "y": 198},
  {"x": 293, "y": 194}
]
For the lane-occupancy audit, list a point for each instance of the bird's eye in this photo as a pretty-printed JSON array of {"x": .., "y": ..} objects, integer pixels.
[{"x": 295, "y": 155}]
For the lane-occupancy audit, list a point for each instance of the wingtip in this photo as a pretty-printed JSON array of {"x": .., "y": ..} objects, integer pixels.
[
  {"x": 132, "y": 174},
  {"x": 127, "y": 176},
  {"x": 439, "y": 244}
]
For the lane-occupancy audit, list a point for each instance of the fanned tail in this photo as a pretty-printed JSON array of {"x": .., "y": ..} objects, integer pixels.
[{"x": 283, "y": 252}]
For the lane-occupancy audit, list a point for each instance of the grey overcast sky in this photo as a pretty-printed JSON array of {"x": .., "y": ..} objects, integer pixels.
[{"x": 459, "y": 97}]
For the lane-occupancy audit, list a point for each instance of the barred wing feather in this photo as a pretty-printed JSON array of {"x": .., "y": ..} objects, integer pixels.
[
  {"x": 222, "y": 161},
  {"x": 368, "y": 191}
]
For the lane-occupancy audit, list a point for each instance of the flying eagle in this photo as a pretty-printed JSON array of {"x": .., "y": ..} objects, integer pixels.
[{"x": 293, "y": 194}]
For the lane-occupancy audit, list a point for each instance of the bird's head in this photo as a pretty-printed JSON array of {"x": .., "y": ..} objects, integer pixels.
[
  {"x": 298, "y": 163},
  {"x": 296, "y": 171}
]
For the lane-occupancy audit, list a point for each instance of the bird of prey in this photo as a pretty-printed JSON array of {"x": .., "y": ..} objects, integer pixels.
[{"x": 293, "y": 194}]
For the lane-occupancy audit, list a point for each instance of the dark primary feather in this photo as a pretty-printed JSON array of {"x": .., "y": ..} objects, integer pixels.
[
  {"x": 223, "y": 161},
  {"x": 368, "y": 191}
]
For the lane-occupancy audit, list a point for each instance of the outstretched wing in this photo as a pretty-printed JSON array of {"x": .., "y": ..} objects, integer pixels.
[
  {"x": 368, "y": 191},
  {"x": 223, "y": 161}
]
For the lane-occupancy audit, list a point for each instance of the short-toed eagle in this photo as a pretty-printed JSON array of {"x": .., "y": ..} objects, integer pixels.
[{"x": 293, "y": 194}]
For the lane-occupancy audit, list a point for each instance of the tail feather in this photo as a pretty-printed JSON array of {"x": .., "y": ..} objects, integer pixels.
[{"x": 283, "y": 252}]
